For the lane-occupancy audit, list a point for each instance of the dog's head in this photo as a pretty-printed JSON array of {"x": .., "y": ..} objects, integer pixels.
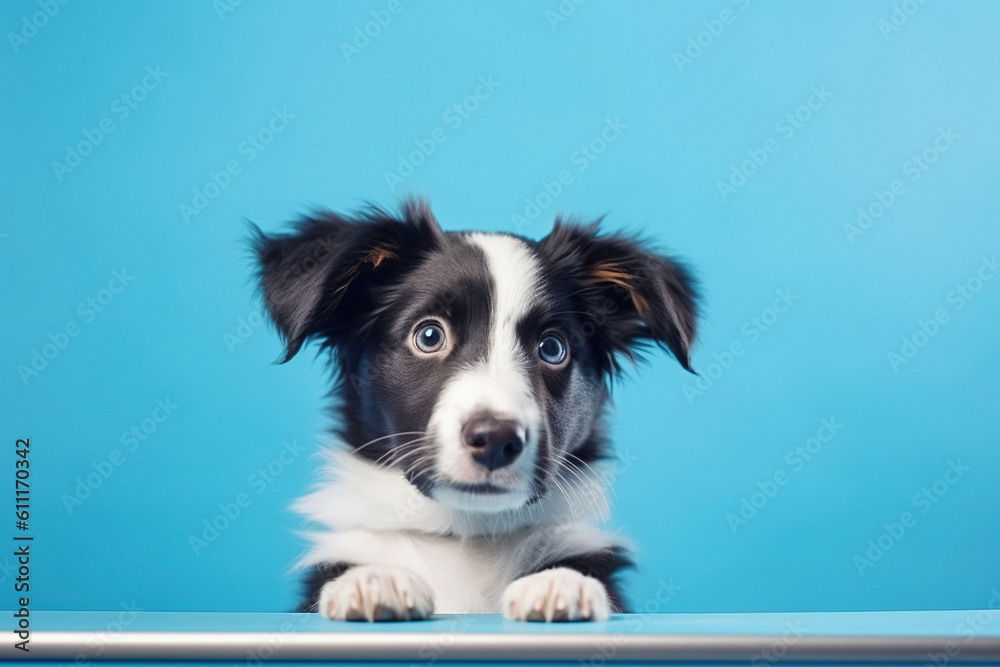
[{"x": 475, "y": 363}]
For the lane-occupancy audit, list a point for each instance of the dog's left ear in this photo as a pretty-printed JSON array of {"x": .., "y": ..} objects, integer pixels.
[{"x": 634, "y": 295}]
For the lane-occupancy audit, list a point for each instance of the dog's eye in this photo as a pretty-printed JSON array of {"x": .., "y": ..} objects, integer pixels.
[
  {"x": 552, "y": 349},
  {"x": 429, "y": 337}
]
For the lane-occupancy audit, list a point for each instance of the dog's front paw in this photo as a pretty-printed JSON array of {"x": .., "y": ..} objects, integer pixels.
[
  {"x": 559, "y": 594},
  {"x": 374, "y": 593}
]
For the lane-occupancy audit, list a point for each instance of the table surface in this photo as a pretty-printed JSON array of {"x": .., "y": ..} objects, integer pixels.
[{"x": 916, "y": 637}]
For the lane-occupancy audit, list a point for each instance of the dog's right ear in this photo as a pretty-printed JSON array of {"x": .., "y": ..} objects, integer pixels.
[
  {"x": 647, "y": 297},
  {"x": 316, "y": 279}
]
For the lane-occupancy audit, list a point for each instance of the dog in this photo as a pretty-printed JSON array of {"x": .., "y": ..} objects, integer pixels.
[{"x": 471, "y": 382}]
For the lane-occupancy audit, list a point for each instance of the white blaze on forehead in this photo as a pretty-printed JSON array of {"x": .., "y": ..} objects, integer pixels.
[
  {"x": 515, "y": 273},
  {"x": 499, "y": 383}
]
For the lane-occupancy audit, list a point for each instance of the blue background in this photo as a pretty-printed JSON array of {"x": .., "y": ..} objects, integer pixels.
[{"x": 689, "y": 455}]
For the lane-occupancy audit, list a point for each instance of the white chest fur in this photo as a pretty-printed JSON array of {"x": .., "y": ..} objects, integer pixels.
[{"x": 372, "y": 516}]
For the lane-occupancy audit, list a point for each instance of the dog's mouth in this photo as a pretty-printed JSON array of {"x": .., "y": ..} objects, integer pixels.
[
  {"x": 486, "y": 494},
  {"x": 484, "y": 488},
  {"x": 479, "y": 497}
]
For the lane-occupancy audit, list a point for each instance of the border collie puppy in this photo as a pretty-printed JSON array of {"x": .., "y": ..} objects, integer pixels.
[{"x": 471, "y": 377}]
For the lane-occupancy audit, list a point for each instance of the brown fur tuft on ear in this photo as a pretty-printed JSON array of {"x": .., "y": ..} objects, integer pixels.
[
  {"x": 607, "y": 272},
  {"x": 377, "y": 254}
]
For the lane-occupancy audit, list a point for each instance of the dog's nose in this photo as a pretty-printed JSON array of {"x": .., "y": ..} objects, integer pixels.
[{"x": 495, "y": 443}]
